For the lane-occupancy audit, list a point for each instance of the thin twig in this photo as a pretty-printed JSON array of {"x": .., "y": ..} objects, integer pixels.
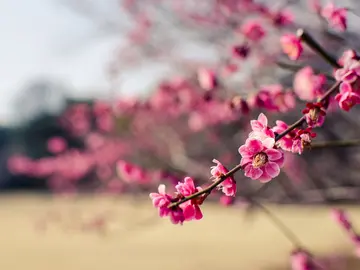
[
  {"x": 278, "y": 223},
  {"x": 306, "y": 38},
  {"x": 344, "y": 143}
]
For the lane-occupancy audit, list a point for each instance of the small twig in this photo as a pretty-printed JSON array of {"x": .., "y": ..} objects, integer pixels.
[
  {"x": 306, "y": 38},
  {"x": 344, "y": 143},
  {"x": 278, "y": 223}
]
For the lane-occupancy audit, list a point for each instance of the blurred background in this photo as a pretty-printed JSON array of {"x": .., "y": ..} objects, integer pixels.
[{"x": 102, "y": 101}]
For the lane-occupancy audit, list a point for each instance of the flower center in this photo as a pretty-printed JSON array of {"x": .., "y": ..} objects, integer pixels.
[
  {"x": 260, "y": 160},
  {"x": 314, "y": 114}
]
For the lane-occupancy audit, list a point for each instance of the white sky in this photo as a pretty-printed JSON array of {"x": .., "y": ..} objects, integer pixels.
[{"x": 44, "y": 39}]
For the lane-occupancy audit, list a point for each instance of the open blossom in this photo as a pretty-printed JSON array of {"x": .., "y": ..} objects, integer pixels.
[
  {"x": 307, "y": 85},
  {"x": 314, "y": 114},
  {"x": 161, "y": 200},
  {"x": 346, "y": 97},
  {"x": 336, "y": 17},
  {"x": 349, "y": 72},
  {"x": 186, "y": 211},
  {"x": 228, "y": 186},
  {"x": 253, "y": 30},
  {"x": 261, "y": 130},
  {"x": 294, "y": 141},
  {"x": 260, "y": 160},
  {"x": 191, "y": 208},
  {"x": 286, "y": 142},
  {"x": 291, "y": 45}
]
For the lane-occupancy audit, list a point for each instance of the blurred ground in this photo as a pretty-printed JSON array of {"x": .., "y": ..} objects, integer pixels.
[{"x": 137, "y": 239}]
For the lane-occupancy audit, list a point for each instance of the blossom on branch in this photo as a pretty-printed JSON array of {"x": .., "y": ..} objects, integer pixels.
[
  {"x": 307, "y": 85},
  {"x": 291, "y": 45},
  {"x": 260, "y": 160},
  {"x": 336, "y": 17},
  {"x": 228, "y": 186}
]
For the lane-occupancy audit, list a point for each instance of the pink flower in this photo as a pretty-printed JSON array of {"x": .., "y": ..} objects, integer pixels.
[
  {"x": 286, "y": 142},
  {"x": 347, "y": 56},
  {"x": 253, "y": 30},
  {"x": 191, "y": 209},
  {"x": 302, "y": 140},
  {"x": 207, "y": 79},
  {"x": 291, "y": 45},
  {"x": 261, "y": 161},
  {"x": 349, "y": 72},
  {"x": 307, "y": 85},
  {"x": 161, "y": 201},
  {"x": 261, "y": 131},
  {"x": 314, "y": 114},
  {"x": 336, "y": 17},
  {"x": 228, "y": 186},
  {"x": 346, "y": 97}
]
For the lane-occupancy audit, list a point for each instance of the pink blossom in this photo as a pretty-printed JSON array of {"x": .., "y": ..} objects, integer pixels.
[
  {"x": 261, "y": 130},
  {"x": 291, "y": 45},
  {"x": 187, "y": 187},
  {"x": 228, "y": 186},
  {"x": 302, "y": 140},
  {"x": 336, "y": 17},
  {"x": 253, "y": 31},
  {"x": 346, "y": 97},
  {"x": 261, "y": 161},
  {"x": 314, "y": 114},
  {"x": 307, "y": 85},
  {"x": 349, "y": 72},
  {"x": 161, "y": 200},
  {"x": 286, "y": 142},
  {"x": 191, "y": 209},
  {"x": 347, "y": 56},
  {"x": 207, "y": 79}
]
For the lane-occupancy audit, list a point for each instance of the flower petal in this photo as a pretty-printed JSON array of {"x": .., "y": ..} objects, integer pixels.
[
  {"x": 254, "y": 146},
  {"x": 253, "y": 173},
  {"x": 272, "y": 169},
  {"x": 263, "y": 119},
  {"x": 273, "y": 154}
]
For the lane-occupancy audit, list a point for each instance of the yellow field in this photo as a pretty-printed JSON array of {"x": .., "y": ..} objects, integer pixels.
[{"x": 137, "y": 239}]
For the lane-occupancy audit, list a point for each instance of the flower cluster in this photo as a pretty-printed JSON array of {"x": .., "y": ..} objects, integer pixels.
[
  {"x": 348, "y": 75},
  {"x": 187, "y": 211}
]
